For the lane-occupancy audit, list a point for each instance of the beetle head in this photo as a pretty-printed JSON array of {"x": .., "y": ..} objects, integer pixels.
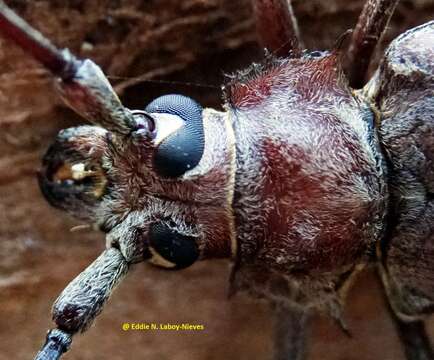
[{"x": 163, "y": 191}]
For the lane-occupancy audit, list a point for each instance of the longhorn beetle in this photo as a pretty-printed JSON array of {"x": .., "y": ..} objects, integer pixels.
[{"x": 303, "y": 179}]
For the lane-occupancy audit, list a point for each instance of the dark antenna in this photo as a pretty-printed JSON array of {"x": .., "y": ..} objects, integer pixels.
[
  {"x": 60, "y": 62},
  {"x": 371, "y": 25},
  {"x": 83, "y": 86}
]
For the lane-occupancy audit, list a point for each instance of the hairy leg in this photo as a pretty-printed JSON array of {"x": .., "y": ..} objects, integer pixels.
[
  {"x": 82, "y": 300},
  {"x": 411, "y": 330},
  {"x": 370, "y": 27},
  {"x": 277, "y": 27},
  {"x": 289, "y": 332},
  {"x": 414, "y": 339}
]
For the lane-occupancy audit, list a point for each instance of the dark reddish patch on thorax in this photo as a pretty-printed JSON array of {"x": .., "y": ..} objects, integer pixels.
[{"x": 307, "y": 76}]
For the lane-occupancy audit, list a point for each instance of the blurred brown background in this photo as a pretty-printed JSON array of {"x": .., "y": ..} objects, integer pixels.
[{"x": 181, "y": 46}]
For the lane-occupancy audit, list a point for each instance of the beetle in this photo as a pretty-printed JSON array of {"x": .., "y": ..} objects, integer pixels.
[{"x": 310, "y": 180}]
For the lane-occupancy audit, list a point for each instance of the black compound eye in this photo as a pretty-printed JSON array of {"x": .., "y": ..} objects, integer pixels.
[
  {"x": 177, "y": 251},
  {"x": 182, "y": 150}
]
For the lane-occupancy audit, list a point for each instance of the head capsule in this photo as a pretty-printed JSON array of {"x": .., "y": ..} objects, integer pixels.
[{"x": 161, "y": 193}]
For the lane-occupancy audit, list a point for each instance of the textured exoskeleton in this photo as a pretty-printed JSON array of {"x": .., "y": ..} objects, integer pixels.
[
  {"x": 402, "y": 91},
  {"x": 302, "y": 181}
]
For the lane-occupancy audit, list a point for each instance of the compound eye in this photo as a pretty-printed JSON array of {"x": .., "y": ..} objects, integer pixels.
[
  {"x": 170, "y": 249},
  {"x": 182, "y": 149}
]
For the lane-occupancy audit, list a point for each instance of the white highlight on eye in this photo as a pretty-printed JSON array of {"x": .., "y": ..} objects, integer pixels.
[{"x": 165, "y": 125}]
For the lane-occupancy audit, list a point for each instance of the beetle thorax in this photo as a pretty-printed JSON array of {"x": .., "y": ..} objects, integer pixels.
[{"x": 309, "y": 197}]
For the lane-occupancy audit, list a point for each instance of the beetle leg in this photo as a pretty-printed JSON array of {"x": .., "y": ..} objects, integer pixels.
[
  {"x": 82, "y": 84},
  {"x": 289, "y": 332},
  {"x": 414, "y": 339},
  {"x": 82, "y": 300},
  {"x": 277, "y": 27},
  {"x": 370, "y": 27},
  {"x": 411, "y": 330}
]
